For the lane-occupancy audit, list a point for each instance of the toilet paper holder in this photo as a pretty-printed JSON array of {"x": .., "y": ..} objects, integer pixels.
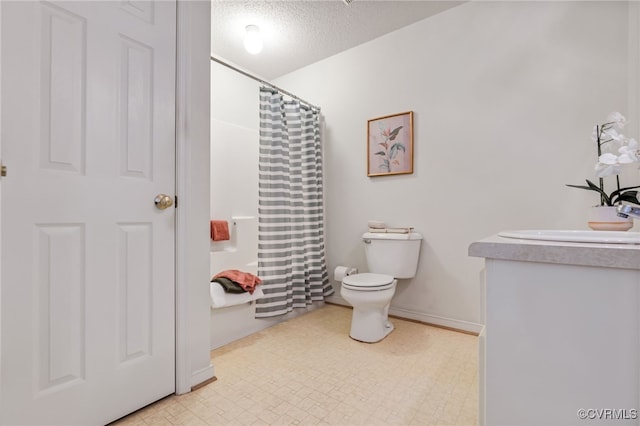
[{"x": 343, "y": 271}]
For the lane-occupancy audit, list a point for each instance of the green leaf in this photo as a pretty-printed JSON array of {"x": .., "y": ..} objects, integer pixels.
[
  {"x": 621, "y": 190},
  {"x": 380, "y": 153},
  {"x": 395, "y": 148},
  {"x": 581, "y": 187},
  {"x": 399, "y": 146},
  {"x": 592, "y": 187},
  {"x": 394, "y": 133},
  {"x": 629, "y": 197}
]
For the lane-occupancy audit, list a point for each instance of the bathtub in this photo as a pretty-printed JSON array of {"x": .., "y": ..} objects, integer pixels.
[
  {"x": 235, "y": 321},
  {"x": 233, "y": 316}
]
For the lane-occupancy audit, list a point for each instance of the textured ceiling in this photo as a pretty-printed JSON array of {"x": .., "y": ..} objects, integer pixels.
[{"x": 299, "y": 33}]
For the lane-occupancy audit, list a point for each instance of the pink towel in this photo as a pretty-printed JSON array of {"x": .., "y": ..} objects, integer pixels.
[
  {"x": 246, "y": 280},
  {"x": 219, "y": 230}
]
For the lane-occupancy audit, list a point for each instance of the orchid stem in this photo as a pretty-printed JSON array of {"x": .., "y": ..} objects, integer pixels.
[{"x": 601, "y": 180}]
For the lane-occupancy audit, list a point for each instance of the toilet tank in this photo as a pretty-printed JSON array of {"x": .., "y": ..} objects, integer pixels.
[{"x": 392, "y": 254}]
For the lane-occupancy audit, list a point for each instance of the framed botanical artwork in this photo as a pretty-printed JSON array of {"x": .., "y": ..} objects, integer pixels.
[{"x": 390, "y": 145}]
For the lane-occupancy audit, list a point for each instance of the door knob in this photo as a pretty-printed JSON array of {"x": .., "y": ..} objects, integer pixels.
[{"x": 163, "y": 201}]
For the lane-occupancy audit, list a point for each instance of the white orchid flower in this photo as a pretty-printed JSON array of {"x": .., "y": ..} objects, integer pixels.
[
  {"x": 627, "y": 158},
  {"x": 608, "y": 159},
  {"x": 603, "y": 170},
  {"x": 608, "y": 165},
  {"x": 613, "y": 134},
  {"x": 629, "y": 153},
  {"x": 617, "y": 118}
]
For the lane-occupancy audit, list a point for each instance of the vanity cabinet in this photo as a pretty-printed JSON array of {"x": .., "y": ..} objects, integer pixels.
[{"x": 561, "y": 344}]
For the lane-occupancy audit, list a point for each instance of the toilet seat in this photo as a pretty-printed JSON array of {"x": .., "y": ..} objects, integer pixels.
[{"x": 368, "y": 282}]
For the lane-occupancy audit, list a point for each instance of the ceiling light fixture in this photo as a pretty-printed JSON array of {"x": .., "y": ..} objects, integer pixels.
[{"x": 252, "y": 39}]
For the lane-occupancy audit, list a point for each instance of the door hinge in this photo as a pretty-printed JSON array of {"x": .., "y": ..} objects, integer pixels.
[{"x": 3, "y": 170}]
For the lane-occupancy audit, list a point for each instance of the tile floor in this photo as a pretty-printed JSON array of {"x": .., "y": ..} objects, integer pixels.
[{"x": 307, "y": 371}]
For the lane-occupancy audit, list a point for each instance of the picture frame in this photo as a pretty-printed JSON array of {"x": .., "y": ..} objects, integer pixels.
[{"x": 390, "y": 145}]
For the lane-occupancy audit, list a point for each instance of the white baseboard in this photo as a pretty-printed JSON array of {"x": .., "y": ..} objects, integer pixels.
[
  {"x": 468, "y": 326},
  {"x": 202, "y": 375}
]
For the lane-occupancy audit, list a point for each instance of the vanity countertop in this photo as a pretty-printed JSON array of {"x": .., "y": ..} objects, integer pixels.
[{"x": 623, "y": 256}]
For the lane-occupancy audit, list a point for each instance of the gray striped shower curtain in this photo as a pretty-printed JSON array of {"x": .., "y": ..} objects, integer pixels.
[{"x": 291, "y": 257}]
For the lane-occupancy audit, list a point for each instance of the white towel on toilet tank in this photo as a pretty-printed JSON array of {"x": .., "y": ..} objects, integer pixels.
[{"x": 406, "y": 230}]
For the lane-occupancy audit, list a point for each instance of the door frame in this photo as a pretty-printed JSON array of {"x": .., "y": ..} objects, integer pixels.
[{"x": 193, "y": 79}]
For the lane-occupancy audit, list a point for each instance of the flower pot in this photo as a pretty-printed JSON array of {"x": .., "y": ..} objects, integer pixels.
[{"x": 605, "y": 218}]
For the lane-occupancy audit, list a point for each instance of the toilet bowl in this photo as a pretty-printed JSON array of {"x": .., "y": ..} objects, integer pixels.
[{"x": 370, "y": 295}]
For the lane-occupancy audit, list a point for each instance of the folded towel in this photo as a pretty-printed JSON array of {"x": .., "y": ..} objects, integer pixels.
[
  {"x": 229, "y": 285},
  {"x": 399, "y": 230},
  {"x": 221, "y": 299},
  {"x": 246, "y": 280},
  {"x": 376, "y": 224},
  {"x": 391, "y": 230},
  {"x": 378, "y": 230},
  {"x": 219, "y": 230}
]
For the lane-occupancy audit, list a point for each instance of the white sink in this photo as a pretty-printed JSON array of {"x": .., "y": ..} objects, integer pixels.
[{"x": 578, "y": 236}]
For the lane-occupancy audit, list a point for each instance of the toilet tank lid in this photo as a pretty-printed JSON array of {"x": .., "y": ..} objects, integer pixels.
[{"x": 391, "y": 236}]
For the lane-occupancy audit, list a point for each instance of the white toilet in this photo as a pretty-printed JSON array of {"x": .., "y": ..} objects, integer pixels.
[{"x": 389, "y": 256}]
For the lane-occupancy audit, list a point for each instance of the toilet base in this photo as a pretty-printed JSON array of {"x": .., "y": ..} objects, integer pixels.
[
  {"x": 370, "y": 320},
  {"x": 367, "y": 336},
  {"x": 370, "y": 326}
]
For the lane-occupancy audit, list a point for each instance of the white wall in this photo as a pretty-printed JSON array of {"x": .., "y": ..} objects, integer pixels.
[
  {"x": 505, "y": 95},
  {"x": 234, "y": 168},
  {"x": 234, "y": 100},
  {"x": 234, "y": 147}
]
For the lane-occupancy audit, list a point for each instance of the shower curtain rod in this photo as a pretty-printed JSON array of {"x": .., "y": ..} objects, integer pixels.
[{"x": 273, "y": 86}]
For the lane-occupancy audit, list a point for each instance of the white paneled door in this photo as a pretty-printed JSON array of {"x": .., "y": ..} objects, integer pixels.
[{"x": 87, "y": 272}]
